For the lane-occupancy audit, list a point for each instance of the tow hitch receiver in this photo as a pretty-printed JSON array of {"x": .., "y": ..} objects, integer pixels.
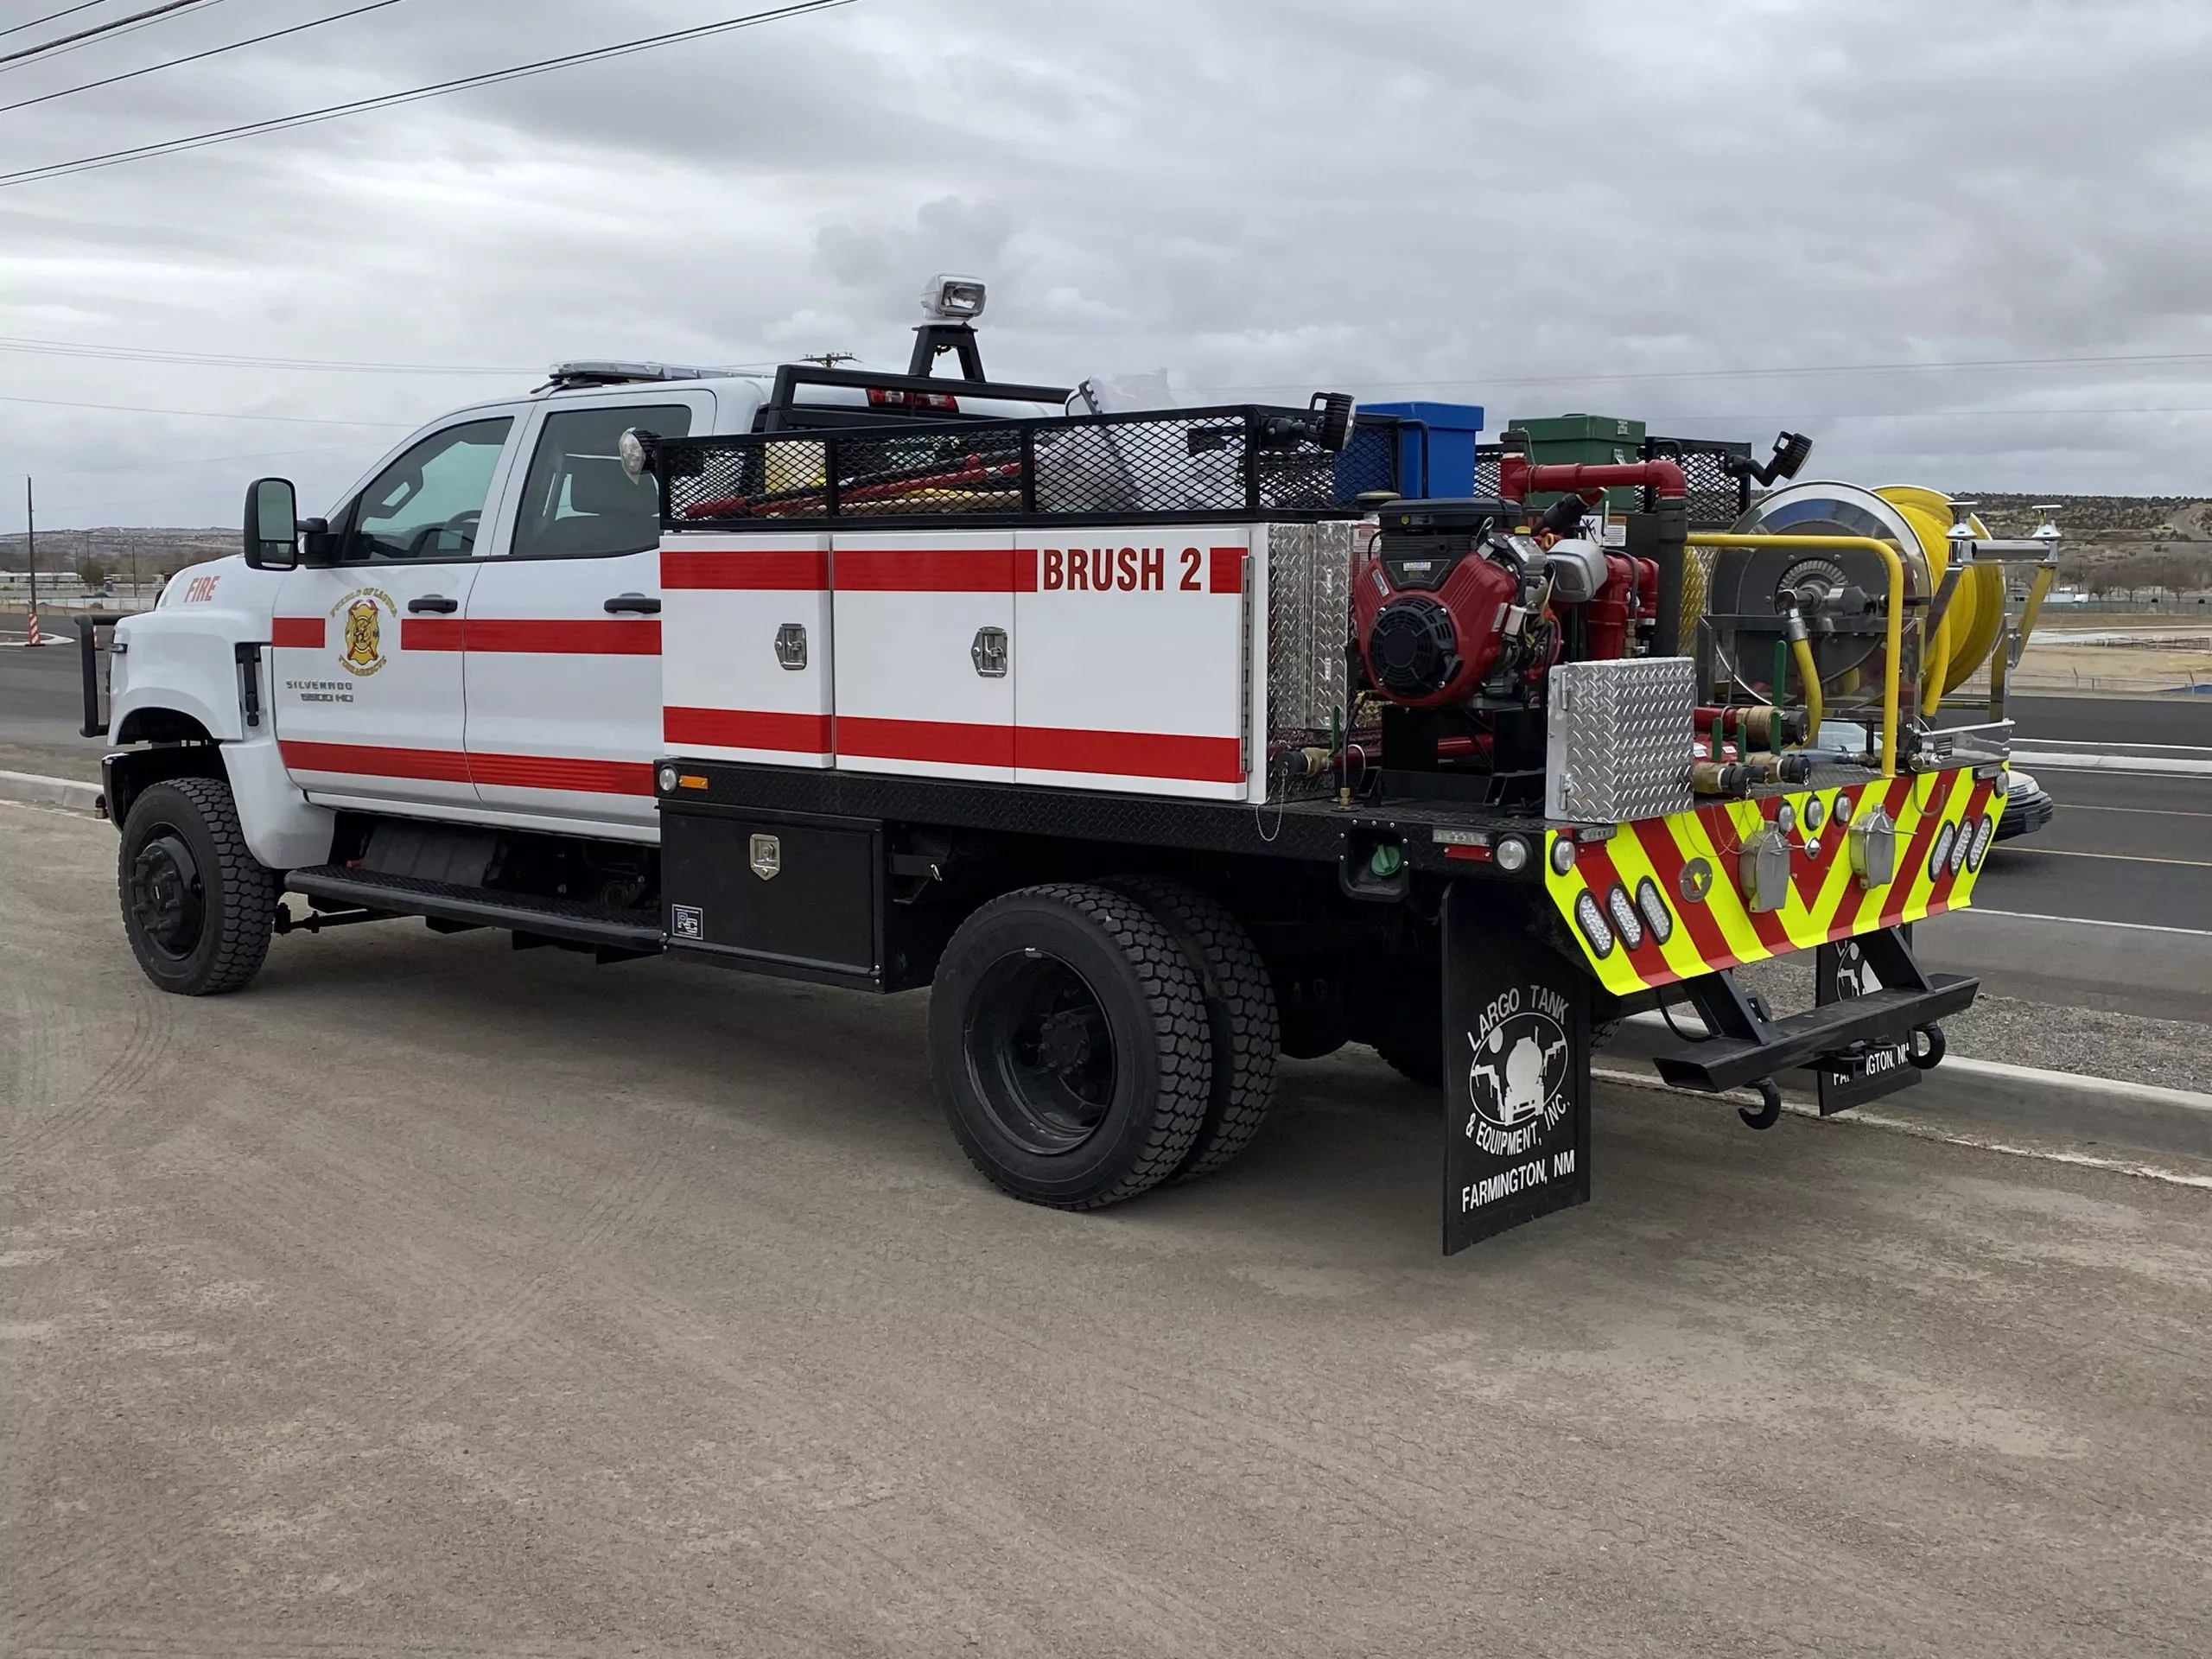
[{"x": 1872, "y": 1033}]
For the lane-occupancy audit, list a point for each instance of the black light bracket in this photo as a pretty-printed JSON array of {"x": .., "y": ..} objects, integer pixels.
[
  {"x": 1791, "y": 449},
  {"x": 933, "y": 340}
]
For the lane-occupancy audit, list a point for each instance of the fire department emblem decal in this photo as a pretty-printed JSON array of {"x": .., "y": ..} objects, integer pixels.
[
  {"x": 1517, "y": 1072},
  {"x": 361, "y": 650}
]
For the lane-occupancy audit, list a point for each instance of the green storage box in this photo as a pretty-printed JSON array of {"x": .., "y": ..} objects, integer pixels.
[{"x": 1592, "y": 439}]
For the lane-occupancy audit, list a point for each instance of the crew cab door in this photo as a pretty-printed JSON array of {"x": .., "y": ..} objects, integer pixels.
[
  {"x": 563, "y": 624},
  {"x": 367, "y": 674}
]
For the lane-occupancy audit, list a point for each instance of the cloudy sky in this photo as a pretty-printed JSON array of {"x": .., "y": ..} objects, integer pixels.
[{"x": 1716, "y": 214}]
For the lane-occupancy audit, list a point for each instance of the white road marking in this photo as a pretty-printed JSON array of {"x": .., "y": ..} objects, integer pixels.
[
  {"x": 1920, "y": 1131},
  {"x": 2019, "y": 743},
  {"x": 2082, "y": 921},
  {"x": 2117, "y": 858},
  {"x": 2146, "y": 811},
  {"x": 2070, "y": 761}
]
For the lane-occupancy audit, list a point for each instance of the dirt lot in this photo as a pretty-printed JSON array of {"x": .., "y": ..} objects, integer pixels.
[{"x": 430, "y": 1299}]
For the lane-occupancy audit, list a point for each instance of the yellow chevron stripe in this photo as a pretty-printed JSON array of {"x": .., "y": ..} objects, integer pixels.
[
  {"x": 1634, "y": 866},
  {"x": 1835, "y": 888},
  {"x": 1614, "y": 971},
  {"x": 1725, "y": 904}
]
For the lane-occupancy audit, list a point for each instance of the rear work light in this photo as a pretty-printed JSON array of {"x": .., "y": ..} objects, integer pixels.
[{"x": 892, "y": 398}]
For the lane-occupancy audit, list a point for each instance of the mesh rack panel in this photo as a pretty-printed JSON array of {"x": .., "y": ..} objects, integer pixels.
[
  {"x": 1243, "y": 460},
  {"x": 1717, "y": 499}
]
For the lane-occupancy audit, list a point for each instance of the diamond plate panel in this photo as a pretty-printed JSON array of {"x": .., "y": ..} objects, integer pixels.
[
  {"x": 1618, "y": 739},
  {"x": 1309, "y": 601}
]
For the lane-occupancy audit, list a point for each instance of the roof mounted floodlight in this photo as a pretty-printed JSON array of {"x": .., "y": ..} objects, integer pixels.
[
  {"x": 951, "y": 304},
  {"x": 953, "y": 299}
]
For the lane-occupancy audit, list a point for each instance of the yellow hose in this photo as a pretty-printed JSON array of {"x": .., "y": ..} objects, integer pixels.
[{"x": 1801, "y": 651}]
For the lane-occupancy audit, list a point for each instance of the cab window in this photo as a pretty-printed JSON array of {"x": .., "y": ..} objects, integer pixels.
[
  {"x": 428, "y": 503},
  {"x": 578, "y": 502}
]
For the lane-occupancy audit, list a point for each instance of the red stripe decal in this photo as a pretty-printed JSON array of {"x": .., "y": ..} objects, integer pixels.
[
  {"x": 1916, "y": 855},
  {"x": 747, "y": 728},
  {"x": 950, "y": 742},
  {"x": 925, "y": 570},
  {"x": 777, "y": 569},
  {"x": 1225, "y": 570},
  {"x": 430, "y": 633},
  {"x": 613, "y": 637},
  {"x": 1666, "y": 863},
  {"x": 371, "y": 760},
  {"x": 1130, "y": 754},
  {"x": 551, "y": 771},
  {"x": 301, "y": 632},
  {"x": 1595, "y": 863},
  {"x": 1025, "y": 569},
  {"x": 452, "y": 766}
]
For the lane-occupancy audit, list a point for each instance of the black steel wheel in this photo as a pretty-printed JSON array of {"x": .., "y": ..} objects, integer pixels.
[
  {"x": 1240, "y": 1000},
  {"x": 1069, "y": 1039},
  {"x": 197, "y": 908}
]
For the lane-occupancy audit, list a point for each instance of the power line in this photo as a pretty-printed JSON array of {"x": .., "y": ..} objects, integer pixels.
[
  {"x": 334, "y": 111},
  {"x": 205, "y": 413},
  {"x": 2139, "y": 360},
  {"x": 318, "y": 366},
  {"x": 224, "y": 361},
  {"x": 97, "y": 30},
  {"x": 81, "y": 5},
  {"x": 213, "y": 51}
]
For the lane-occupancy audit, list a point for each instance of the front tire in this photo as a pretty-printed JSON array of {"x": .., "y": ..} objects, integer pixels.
[
  {"x": 197, "y": 907},
  {"x": 1070, "y": 1042}
]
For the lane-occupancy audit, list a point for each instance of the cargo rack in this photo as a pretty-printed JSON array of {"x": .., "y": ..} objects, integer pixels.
[{"x": 1229, "y": 462}]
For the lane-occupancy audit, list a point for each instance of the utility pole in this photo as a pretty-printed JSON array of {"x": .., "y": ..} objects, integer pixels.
[{"x": 830, "y": 360}]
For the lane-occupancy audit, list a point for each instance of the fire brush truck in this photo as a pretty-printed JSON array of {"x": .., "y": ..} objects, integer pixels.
[{"x": 1157, "y": 742}]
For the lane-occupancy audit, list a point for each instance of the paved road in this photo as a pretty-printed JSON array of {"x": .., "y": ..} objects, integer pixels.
[{"x": 432, "y": 1300}]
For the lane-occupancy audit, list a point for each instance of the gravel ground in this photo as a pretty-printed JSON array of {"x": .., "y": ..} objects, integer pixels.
[
  {"x": 427, "y": 1300},
  {"x": 2173, "y": 1053}
]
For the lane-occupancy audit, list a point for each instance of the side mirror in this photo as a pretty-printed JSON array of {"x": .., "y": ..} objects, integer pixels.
[{"x": 272, "y": 524}]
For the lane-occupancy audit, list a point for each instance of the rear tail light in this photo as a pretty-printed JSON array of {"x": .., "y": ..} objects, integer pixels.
[{"x": 891, "y": 397}]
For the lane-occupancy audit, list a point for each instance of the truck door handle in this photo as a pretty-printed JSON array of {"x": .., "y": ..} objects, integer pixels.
[
  {"x": 632, "y": 605},
  {"x": 437, "y": 602}
]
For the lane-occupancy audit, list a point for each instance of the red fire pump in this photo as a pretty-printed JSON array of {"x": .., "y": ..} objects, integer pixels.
[{"x": 1470, "y": 603}]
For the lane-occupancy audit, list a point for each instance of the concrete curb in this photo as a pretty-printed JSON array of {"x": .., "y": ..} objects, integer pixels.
[
  {"x": 31, "y": 787},
  {"x": 2035, "y": 760},
  {"x": 1983, "y": 1094}
]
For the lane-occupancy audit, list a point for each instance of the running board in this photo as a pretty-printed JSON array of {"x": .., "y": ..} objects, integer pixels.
[{"x": 564, "y": 920}]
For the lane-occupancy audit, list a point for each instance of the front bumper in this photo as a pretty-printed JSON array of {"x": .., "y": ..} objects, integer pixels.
[{"x": 2025, "y": 813}]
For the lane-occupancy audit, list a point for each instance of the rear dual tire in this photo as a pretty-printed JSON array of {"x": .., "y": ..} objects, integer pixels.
[{"x": 1090, "y": 1042}]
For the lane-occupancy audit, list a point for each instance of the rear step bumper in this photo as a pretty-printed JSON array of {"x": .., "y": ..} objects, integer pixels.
[
  {"x": 1879, "y": 1019},
  {"x": 550, "y": 918}
]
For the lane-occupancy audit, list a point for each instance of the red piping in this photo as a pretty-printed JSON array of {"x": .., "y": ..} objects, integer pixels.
[{"x": 1516, "y": 479}]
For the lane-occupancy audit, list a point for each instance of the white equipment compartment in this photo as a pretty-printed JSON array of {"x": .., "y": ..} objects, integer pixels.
[
  {"x": 747, "y": 652},
  {"x": 1127, "y": 658},
  {"x": 1135, "y": 659}
]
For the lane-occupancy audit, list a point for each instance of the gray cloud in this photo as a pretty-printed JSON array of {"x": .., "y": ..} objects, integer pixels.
[{"x": 1441, "y": 198}]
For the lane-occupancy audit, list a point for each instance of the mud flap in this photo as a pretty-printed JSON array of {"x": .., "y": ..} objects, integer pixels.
[
  {"x": 1516, "y": 1069},
  {"x": 1868, "y": 1071}
]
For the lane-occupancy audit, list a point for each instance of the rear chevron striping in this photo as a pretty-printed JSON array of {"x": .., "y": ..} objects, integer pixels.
[{"x": 1827, "y": 901}]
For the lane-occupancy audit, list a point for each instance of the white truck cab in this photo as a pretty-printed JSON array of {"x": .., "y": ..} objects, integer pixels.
[{"x": 475, "y": 634}]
